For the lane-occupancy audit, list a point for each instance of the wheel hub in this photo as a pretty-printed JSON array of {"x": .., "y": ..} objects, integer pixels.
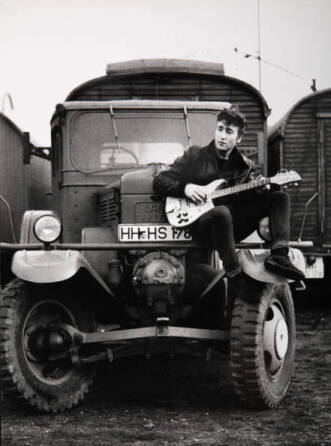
[
  {"x": 46, "y": 344},
  {"x": 281, "y": 339},
  {"x": 275, "y": 339}
]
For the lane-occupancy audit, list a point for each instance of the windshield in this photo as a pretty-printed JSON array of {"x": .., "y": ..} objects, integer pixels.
[{"x": 101, "y": 141}]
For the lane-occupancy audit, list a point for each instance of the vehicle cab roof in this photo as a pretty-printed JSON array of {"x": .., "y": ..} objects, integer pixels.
[
  {"x": 161, "y": 78},
  {"x": 140, "y": 104}
]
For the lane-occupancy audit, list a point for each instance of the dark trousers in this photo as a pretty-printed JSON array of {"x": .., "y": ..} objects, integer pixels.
[{"x": 224, "y": 225}]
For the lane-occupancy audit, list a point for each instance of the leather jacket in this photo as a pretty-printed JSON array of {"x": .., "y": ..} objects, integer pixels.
[{"x": 201, "y": 165}]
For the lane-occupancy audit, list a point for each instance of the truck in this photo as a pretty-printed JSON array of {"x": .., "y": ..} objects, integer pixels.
[{"x": 101, "y": 274}]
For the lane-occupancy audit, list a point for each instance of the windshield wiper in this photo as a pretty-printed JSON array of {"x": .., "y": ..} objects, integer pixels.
[{"x": 114, "y": 127}]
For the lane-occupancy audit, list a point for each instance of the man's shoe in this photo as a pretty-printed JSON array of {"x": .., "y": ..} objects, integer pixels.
[{"x": 282, "y": 265}]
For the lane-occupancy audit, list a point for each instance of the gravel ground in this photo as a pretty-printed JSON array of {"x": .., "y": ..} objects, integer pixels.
[{"x": 185, "y": 401}]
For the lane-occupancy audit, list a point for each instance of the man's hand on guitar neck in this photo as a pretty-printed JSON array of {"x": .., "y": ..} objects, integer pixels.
[
  {"x": 255, "y": 176},
  {"x": 195, "y": 193}
]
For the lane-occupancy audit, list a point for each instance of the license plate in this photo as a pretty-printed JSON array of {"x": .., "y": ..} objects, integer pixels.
[
  {"x": 316, "y": 270},
  {"x": 152, "y": 233}
]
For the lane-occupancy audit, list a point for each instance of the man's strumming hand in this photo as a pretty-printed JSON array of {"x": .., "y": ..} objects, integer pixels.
[{"x": 195, "y": 192}]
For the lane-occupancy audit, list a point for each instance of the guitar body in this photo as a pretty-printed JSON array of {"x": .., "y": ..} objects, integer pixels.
[{"x": 182, "y": 212}]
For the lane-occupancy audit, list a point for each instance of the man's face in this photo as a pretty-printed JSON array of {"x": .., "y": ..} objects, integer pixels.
[{"x": 226, "y": 137}]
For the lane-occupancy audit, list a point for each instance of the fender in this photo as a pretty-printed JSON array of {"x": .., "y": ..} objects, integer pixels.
[
  {"x": 252, "y": 262},
  {"x": 41, "y": 266},
  {"x": 48, "y": 266},
  {"x": 52, "y": 266}
]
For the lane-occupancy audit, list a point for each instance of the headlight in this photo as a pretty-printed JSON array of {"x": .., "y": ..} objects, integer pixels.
[
  {"x": 47, "y": 228},
  {"x": 263, "y": 229}
]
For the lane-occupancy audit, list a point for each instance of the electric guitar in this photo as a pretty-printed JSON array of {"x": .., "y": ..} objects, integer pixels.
[{"x": 182, "y": 212}]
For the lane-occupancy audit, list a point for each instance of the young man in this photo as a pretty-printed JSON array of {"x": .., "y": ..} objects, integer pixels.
[{"x": 234, "y": 218}]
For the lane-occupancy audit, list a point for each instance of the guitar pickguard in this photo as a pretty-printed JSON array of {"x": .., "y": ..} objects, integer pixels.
[{"x": 184, "y": 212}]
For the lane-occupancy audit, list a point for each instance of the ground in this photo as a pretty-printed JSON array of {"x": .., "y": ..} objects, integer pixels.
[{"x": 185, "y": 401}]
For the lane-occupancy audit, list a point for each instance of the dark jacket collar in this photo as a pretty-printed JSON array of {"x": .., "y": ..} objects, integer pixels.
[{"x": 235, "y": 156}]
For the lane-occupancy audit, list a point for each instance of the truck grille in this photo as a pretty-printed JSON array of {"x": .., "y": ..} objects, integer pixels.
[{"x": 109, "y": 208}]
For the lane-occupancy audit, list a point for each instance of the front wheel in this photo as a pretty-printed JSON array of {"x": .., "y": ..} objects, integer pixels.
[
  {"x": 263, "y": 345},
  {"x": 36, "y": 366}
]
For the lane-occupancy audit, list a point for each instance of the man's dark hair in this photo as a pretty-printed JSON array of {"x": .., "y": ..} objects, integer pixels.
[{"x": 233, "y": 116}]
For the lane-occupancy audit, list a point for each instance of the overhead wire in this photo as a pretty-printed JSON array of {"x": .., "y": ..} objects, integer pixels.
[{"x": 279, "y": 67}]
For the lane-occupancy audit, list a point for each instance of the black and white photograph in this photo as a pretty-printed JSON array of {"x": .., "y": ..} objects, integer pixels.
[{"x": 165, "y": 223}]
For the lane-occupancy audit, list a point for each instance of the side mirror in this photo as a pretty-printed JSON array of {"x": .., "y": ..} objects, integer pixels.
[{"x": 29, "y": 149}]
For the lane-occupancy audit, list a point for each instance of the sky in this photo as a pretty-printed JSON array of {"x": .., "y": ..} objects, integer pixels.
[{"x": 48, "y": 47}]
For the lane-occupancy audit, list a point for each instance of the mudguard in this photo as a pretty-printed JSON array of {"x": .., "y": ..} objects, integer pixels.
[
  {"x": 252, "y": 262},
  {"x": 52, "y": 266},
  {"x": 44, "y": 266},
  {"x": 48, "y": 266}
]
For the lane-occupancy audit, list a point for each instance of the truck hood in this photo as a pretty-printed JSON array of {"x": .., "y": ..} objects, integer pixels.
[{"x": 140, "y": 181}]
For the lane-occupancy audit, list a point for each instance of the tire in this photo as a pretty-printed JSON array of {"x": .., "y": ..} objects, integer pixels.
[
  {"x": 29, "y": 376},
  {"x": 263, "y": 345}
]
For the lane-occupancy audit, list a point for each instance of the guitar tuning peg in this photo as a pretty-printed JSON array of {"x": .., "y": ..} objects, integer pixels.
[
  {"x": 285, "y": 187},
  {"x": 296, "y": 184}
]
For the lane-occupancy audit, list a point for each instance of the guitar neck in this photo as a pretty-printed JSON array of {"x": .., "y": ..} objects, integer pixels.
[{"x": 239, "y": 188}]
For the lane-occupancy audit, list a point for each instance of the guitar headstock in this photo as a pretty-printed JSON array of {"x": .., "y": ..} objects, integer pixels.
[{"x": 285, "y": 177}]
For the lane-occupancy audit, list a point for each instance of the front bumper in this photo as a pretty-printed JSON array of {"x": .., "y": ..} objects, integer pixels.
[{"x": 60, "y": 261}]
